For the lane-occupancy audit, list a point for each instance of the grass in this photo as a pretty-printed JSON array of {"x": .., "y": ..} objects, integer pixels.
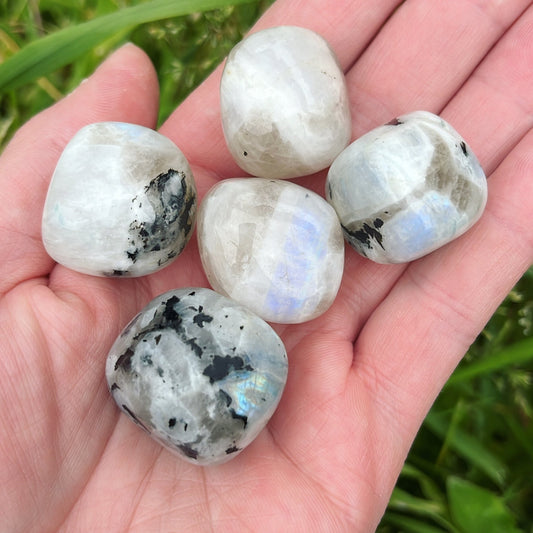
[
  {"x": 471, "y": 466},
  {"x": 48, "y": 47}
]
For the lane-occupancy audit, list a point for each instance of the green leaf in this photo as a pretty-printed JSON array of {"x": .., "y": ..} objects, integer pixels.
[
  {"x": 478, "y": 510},
  {"x": 45, "y": 55},
  {"x": 467, "y": 447},
  {"x": 518, "y": 353}
]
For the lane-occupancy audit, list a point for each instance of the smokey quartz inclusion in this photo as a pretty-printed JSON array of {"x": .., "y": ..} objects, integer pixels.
[{"x": 406, "y": 188}]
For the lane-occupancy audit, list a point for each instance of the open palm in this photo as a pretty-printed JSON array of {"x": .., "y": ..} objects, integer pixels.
[{"x": 361, "y": 377}]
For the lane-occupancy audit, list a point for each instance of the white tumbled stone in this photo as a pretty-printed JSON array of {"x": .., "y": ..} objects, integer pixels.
[
  {"x": 201, "y": 374},
  {"x": 273, "y": 246},
  {"x": 121, "y": 202},
  {"x": 284, "y": 103},
  {"x": 406, "y": 188}
]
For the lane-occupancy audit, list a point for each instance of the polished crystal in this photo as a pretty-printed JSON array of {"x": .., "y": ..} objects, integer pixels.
[
  {"x": 122, "y": 202},
  {"x": 406, "y": 188},
  {"x": 273, "y": 246},
  {"x": 198, "y": 372},
  {"x": 284, "y": 103}
]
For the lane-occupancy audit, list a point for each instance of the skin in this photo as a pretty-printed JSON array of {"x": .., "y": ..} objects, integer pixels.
[{"x": 362, "y": 376}]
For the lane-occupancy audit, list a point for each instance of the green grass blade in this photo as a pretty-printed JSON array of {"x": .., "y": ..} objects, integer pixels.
[
  {"x": 518, "y": 353},
  {"x": 52, "y": 52},
  {"x": 427, "y": 485},
  {"x": 412, "y": 525},
  {"x": 467, "y": 447},
  {"x": 404, "y": 502}
]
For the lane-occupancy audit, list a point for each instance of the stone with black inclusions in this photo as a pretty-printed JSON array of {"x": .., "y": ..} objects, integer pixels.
[
  {"x": 199, "y": 372},
  {"x": 121, "y": 202},
  {"x": 406, "y": 188}
]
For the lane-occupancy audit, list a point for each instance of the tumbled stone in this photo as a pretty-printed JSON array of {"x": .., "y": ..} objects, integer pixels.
[
  {"x": 273, "y": 246},
  {"x": 284, "y": 103},
  {"x": 122, "y": 202},
  {"x": 406, "y": 188},
  {"x": 199, "y": 372}
]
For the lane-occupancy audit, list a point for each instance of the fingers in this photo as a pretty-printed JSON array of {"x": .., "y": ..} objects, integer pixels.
[
  {"x": 348, "y": 25},
  {"x": 420, "y": 59},
  {"x": 416, "y": 337},
  {"x": 405, "y": 353},
  {"x": 123, "y": 88},
  {"x": 417, "y": 325},
  {"x": 423, "y": 55},
  {"x": 494, "y": 108}
]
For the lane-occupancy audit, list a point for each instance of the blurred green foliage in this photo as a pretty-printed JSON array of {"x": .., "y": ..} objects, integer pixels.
[
  {"x": 184, "y": 49},
  {"x": 470, "y": 468}
]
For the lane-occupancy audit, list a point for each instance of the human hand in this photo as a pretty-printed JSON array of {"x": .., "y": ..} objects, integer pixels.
[{"x": 361, "y": 377}]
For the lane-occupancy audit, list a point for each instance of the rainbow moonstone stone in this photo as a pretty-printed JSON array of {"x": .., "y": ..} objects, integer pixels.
[
  {"x": 199, "y": 372},
  {"x": 406, "y": 188}
]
